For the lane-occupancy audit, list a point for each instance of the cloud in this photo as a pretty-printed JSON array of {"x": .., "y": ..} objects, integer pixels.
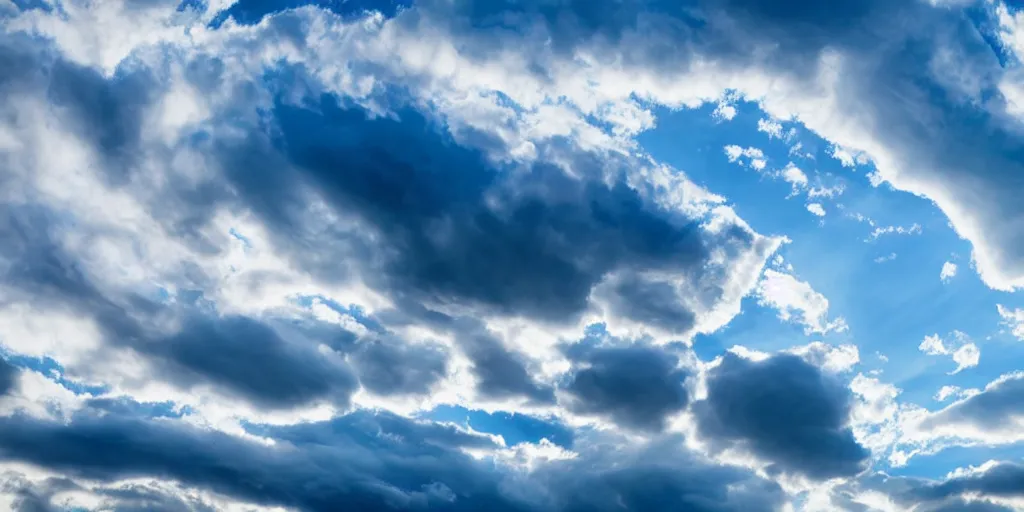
[
  {"x": 989, "y": 487},
  {"x": 796, "y": 300},
  {"x": 816, "y": 209},
  {"x": 392, "y": 366},
  {"x": 8, "y": 377},
  {"x": 948, "y": 271},
  {"x": 965, "y": 355},
  {"x": 634, "y": 385},
  {"x": 771, "y": 127},
  {"x": 502, "y": 373},
  {"x": 659, "y": 476},
  {"x": 248, "y": 358},
  {"x": 794, "y": 176},
  {"x": 1012, "y": 318},
  {"x": 888, "y": 257},
  {"x": 748, "y": 157},
  {"x": 992, "y": 415},
  {"x": 260, "y": 474},
  {"x": 785, "y": 411},
  {"x": 424, "y": 164},
  {"x": 945, "y": 392},
  {"x": 377, "y": 461},
  {"x": 914, "y": 229}
]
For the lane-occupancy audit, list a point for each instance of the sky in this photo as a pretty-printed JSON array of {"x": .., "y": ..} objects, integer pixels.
[{"x": 511, "y": 255}]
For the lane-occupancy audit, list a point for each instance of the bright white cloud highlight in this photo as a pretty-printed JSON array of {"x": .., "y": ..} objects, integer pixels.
[
  {"x": 965, "y": 355},
  {"x": 797, "y": 301},
  {"x": 1013, "y": 319},
  {"x": 770, "y": 126},
  {"x": 948, "y": 271},
  {"x": 817, "y": 209}
]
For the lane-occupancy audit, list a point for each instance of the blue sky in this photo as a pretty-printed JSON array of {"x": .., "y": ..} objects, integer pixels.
[{"x": 534, "y": 255}]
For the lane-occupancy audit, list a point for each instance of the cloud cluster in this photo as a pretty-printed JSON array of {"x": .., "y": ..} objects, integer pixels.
[{"x": 248, "y": 240}]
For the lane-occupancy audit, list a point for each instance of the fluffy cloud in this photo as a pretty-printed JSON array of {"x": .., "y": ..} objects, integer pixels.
[
  {"x": 965, "y": 355},
  {"x": 784, "y": 410},
  {"x": 634, "y": 385},
  {"x": 376, "y": 461},
  {"x": 796, "y": 300},
  {"x": 466, "y": 198},
  {"x": 749, "y": 157},
  {"x": 993, "y": 415},
  {"x": 948, "y": 271},
  {"x": 1013, "y": 319},
  {"x": 816, "y": 209}
]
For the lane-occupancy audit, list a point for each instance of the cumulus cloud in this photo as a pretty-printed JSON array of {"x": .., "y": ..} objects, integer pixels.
[
  {"x": 634, "y": 385},
  {"x": 474, "y": 196},
  {"x": 797, "y": 301},
  {"x": 784, "y": 410},
  {"x": 749, "y": 157},
  {"x": 8, "y": 377},
  {"x": 948, "y": 271},
  {"x": 816, "y": 209},
  {"x": 992, "y": 415},
  {"x": 771, "y": 127},
  {"x": 989, "y": 487},
  {"x": 376, "y": 461},
  {"x": 880, "y": 231},
  {"x": 1013, "y": 319},
  {"x": 965, "y": 354}
]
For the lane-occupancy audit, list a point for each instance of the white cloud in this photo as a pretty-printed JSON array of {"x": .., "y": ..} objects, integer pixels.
[
  {"x": 833, "y": 358},
  {"x": 439, "y": 64},
  {"x": 933, "y": 346},
  {"x": 965, "y": 355},
  {"x": 827, "y": 192},
  {"x": 888, "y": 257},
  {"x": 1012, "y": 318},
  {"x": 876, "y": 413},
  {"x": 992, "y": 416},
  {"x": 816, "y": 209},
  {"x": 770, "y": 126},
  {"x": 794, "y": 176},
  {"x": 848, "y": 157},
  {"x": 948, "y": 271},
  {"x": 724, "y": 111},
  {"x": 914, "y": 229},
  {"x": 945, "y": 392},
  {"x": 750, "y": 157},
  {"x": 797, "y": 301}
]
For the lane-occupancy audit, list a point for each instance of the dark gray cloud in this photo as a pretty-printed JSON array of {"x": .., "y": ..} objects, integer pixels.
[
  {"x": 367, "y": 461},
  {"x": 140, "y": 498},
  {"x": 29, "y": 497},
  {"x": 636, "y": 386},
  {"x": 353, "y": 462},
  {"x": 248, "y": 358},
  {"x": 919, "y": 83},
  {"x": 1005, "y": 479},
  {"x": 105, "y": 112},
  {"x": 44, "y": 496},
  {"x": 650, "y": 302},
  {"x": 392, "y": 366},
  {"x": 501, "y": 373},
  {"x": 963, "y": 505},
  {"x": 784, "y": 410},
  {"x": 659, "y": 477},
  {"x": 537, "y": 246},
  {"x": 976, "y": 490},
  {"x": 995, "y": 408},
  {"x": 8, "y": 376}
]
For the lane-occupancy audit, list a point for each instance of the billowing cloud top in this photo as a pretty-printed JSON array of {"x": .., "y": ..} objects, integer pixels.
[{"x": 511, "y": 255}]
